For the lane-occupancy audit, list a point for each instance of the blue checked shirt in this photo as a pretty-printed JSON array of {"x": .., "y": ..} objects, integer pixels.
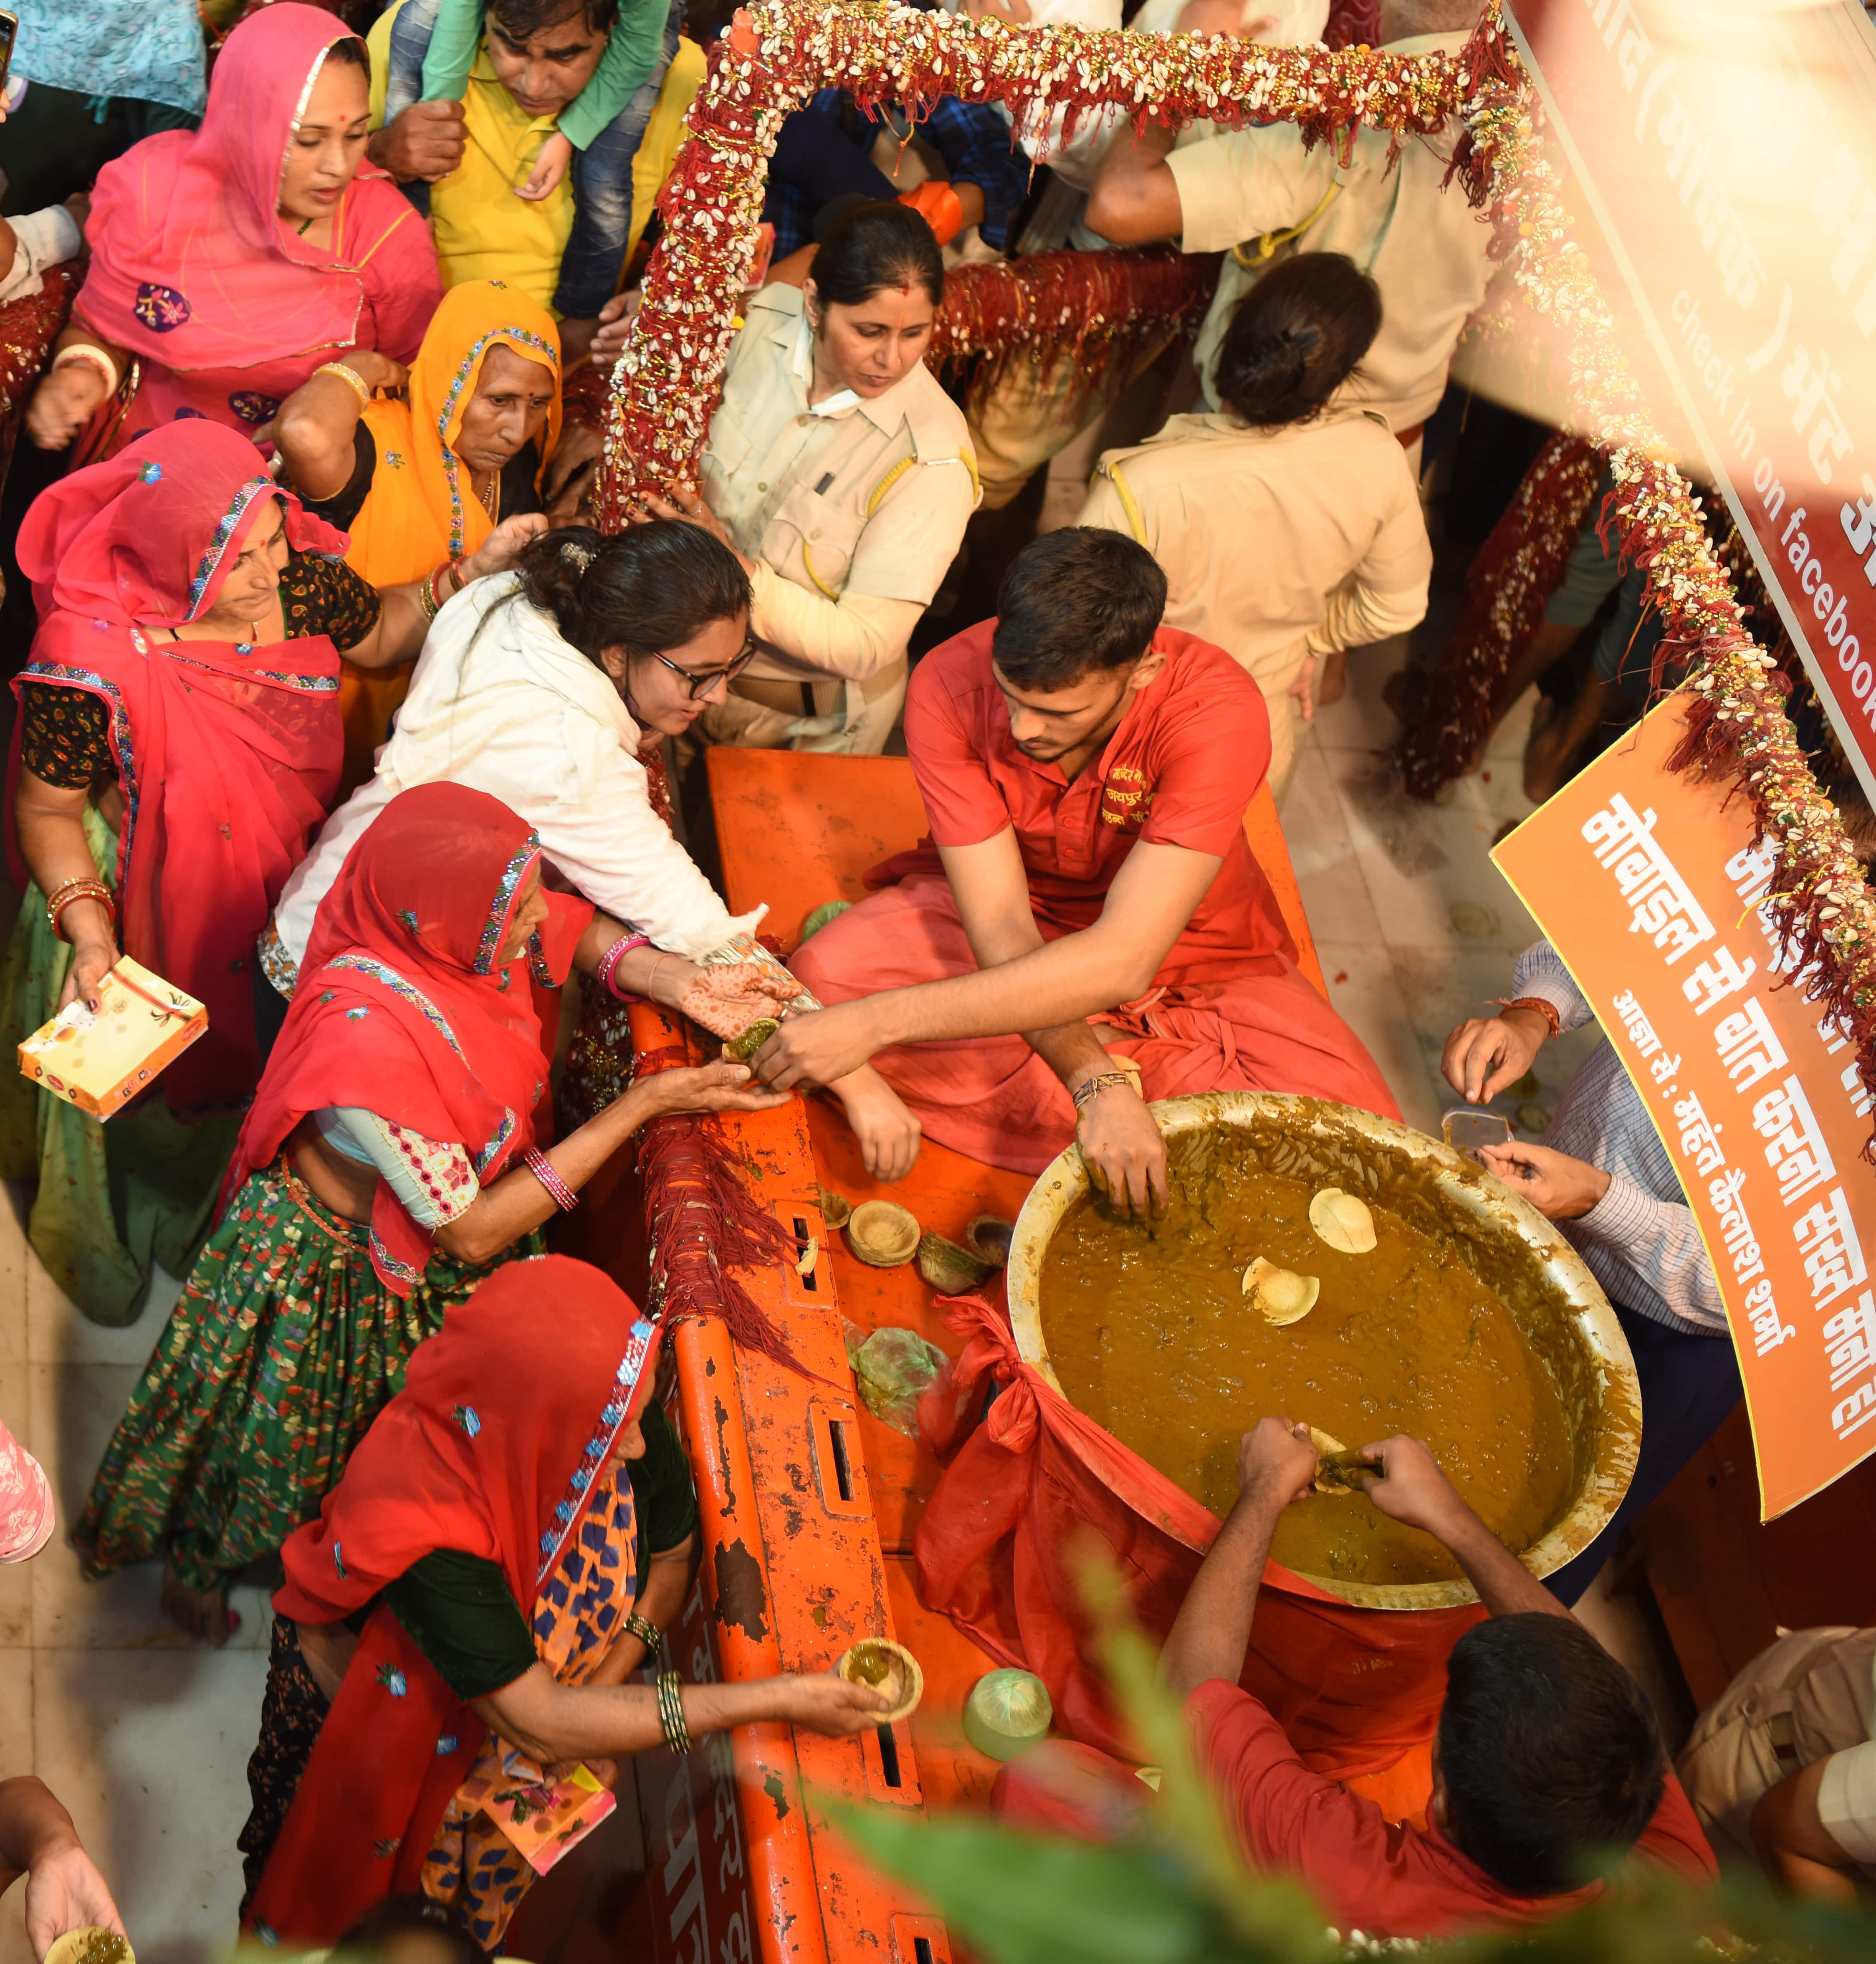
[{"x": 1639, "y": 1240}]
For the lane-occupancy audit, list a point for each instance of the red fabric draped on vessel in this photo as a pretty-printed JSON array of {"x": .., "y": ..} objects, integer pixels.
[
  {"x": 489, "y": 1450},
  {"x": 227, "y": 753},
  {"x": 1028, "y": 1494},
  {"x": 403, "y": 1009}
]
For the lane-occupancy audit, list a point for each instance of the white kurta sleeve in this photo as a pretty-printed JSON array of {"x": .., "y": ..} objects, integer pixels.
[
  {"x": 853, "y": 637},
  {"x": 602, "y": 834}
]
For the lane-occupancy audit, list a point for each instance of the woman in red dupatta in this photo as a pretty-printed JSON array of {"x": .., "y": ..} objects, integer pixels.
[
  {"x": 228, "y": 262},
  {"x": 179, "y": 738},
  {"x": 506, "y": 1455},
  {"x": 389, "y": 1160}
]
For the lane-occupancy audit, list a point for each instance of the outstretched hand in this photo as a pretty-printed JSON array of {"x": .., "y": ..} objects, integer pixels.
[
  {"x": 65, "y": 1893},
  {"x": 829, "y": 1705},
  {"x": 721, "y": 1086},
  {"x": 819, "y": 1047},
  {"x": 725, "y": 998}
]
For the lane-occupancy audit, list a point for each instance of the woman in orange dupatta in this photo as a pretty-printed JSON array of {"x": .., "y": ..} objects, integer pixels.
[{"x": 419, "y": 481}]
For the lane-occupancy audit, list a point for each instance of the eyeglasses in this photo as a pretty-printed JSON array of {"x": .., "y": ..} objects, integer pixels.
[{"x": 701, "y": 681}]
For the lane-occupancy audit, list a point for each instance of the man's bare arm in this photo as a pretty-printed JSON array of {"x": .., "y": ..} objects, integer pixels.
[
  {"x": 1136, "y": 196},
  {"x": 1079, "y": 975},
  {"x": 1212, "y": 1632},
  {"x": 1119, "y": 1137},
  {"x": 991, "y": 890},
  {"x": 1411, "y": 1487}
]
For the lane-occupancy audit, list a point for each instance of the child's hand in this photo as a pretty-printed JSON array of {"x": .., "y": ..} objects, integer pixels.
[{"x": 556, "y": 153}]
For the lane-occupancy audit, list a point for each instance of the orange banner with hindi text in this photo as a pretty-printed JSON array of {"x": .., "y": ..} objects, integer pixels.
[{"x": 1647, "y": 884}]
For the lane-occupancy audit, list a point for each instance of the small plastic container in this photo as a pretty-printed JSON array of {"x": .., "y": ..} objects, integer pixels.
[{"x": 1466, "y": 1129}]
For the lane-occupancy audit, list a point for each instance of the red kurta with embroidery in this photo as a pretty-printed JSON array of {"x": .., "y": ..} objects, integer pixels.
[{"x": 1229, "y": 1008}]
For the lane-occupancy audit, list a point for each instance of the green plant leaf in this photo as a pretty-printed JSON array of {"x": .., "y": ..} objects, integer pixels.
[{"x": 1018, "y": 1899}]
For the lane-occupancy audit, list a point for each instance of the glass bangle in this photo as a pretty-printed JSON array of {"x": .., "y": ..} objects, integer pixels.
[{"x": 562, "y": 1195}]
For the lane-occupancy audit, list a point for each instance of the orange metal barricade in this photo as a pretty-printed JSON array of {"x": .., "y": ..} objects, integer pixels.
[{"x": 808, "y": 1502}]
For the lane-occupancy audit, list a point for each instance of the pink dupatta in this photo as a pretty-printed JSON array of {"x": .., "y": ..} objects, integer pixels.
[
  {"x": 228, "y": 753},
  {"x": 193, "y": 271}
]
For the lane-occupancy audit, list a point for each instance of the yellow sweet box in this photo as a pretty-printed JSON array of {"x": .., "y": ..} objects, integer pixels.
[{"x": 99, "y": 1063}]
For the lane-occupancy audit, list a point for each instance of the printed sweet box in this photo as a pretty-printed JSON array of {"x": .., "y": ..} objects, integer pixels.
[{"x": 99, "y": 1063}]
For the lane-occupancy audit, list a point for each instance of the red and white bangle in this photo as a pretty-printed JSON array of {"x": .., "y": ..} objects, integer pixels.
[
  {"x": 609, "y": 960},
  {"x": 562, "y": 1195}
]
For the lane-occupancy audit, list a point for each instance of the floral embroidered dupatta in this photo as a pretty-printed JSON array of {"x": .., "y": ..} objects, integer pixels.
[
  {"x": 227, "y": 753},
  {"x": 401, "y": 1009},
  {"x": 493, "y": 1448}
]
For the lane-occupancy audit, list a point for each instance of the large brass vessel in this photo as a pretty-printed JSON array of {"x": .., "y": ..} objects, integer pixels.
[{"x": 1517, "y": 1254}]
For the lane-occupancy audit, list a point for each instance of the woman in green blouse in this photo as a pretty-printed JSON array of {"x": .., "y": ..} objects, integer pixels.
[
  {"x": 180, "y": 739},
  {"x": 506, "y": 1548}
]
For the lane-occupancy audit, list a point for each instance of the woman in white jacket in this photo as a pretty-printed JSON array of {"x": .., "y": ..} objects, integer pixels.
[{"x": 540, "y": 687}]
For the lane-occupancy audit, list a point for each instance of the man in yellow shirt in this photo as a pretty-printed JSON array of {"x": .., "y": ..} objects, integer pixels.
[{"x": 535, "y": 56}]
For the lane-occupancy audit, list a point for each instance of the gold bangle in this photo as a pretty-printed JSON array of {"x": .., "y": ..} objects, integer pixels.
[
  {"x": 95, "y": 891},
  {"x": 671, "y": 1713},
  {"x": 358, "y": 381}
]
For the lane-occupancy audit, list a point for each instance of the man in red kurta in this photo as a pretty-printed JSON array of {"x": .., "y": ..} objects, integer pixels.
[
  {"x": 1548, "y": 1764},
  {"x": 1087, "y": 889}
]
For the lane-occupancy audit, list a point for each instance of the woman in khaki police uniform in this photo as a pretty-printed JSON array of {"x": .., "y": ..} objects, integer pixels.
[
  {"x": 841, "y": 474},
  {"x": 1288, "y": 524}
]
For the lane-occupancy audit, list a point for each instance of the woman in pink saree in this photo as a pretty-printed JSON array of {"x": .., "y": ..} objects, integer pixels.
[
  {"x": 178, "y": 740},
  {"x": 228, "y": 263}
]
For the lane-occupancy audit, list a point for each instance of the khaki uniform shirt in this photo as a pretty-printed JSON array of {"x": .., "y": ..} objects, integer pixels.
[
  {"x": 1424, "y": 248},
  {"x": 1274, "y": 543},
  {"x": 869, "y": 497}
]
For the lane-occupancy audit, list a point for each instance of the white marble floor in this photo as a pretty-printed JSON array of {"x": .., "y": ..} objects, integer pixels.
[
  {"x": 142, "y": 1734},
  {"x": 145, "y": 1737},
  {"x": 1416, "y": 928}
]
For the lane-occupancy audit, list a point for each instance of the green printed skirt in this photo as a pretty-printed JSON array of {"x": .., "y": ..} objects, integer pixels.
[
  {"x": 112, "y": 1200},
  {"x": 283, "y": 1348}
]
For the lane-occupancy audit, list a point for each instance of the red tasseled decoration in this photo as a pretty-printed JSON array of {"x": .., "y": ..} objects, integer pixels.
[
  {"x": 703, "y": 1226},
  {"x": 1510, "y": 582},
  {"x": 668, "y": 380},
  {"x": 583, "y": 401},
  {"x": 1710, "y": 747},
  {"x": 1069, "y": 305},
  {"x": 657, "y": 786}
]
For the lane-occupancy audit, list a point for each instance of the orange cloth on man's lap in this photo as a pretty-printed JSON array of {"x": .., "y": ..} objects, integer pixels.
[{"x": 1229, "y": 1008}]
